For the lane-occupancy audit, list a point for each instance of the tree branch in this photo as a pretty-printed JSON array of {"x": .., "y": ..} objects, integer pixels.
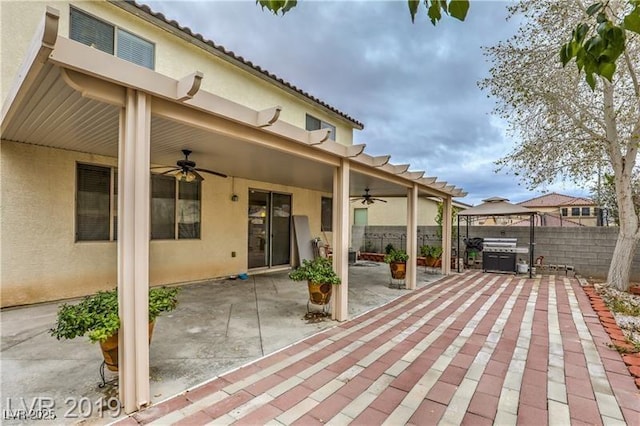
[{"x": 634, "y": 77}]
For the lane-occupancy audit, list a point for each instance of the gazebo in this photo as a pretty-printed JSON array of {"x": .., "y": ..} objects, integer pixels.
[{"x": 496, "y": 206}]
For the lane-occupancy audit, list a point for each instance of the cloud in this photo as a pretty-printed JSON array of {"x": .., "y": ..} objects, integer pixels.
[{"x": 414, "y": 86}]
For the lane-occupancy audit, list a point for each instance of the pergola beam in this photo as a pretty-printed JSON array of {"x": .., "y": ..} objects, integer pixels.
[
  {"x": 317, "y": 137},
  {"x": 188, "y": 86},
  {"x": 354, "y": 150},
  {"x": 268, "y": 116}
]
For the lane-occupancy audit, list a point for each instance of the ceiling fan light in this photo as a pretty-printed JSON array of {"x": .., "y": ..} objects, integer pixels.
[{"x": 186, "y": 176}]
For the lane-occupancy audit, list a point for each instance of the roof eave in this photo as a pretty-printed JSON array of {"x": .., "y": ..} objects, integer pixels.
[{"x": 139, "y": 11}]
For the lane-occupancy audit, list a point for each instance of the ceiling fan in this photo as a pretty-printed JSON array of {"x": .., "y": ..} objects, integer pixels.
[
  {"x": 367, "y": 198},
  {"x": 186, "y": 169}
]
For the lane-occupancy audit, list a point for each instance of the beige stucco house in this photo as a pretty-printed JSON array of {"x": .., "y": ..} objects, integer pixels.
[
  {"x": 564, "y": 210},
  {"x": 99, "y": 100}
]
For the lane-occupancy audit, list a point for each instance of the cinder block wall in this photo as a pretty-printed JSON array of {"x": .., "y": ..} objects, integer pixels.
[{"x": 588, "y": 249}]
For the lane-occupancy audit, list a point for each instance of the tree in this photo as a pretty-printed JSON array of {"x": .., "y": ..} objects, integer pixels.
[{"x": 567, "y": 126}]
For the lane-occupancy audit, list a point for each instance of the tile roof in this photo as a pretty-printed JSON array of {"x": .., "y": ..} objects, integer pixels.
[
  {"x": 232, "y": 56},
  {"x": 547, "y": 219},
  {"x": 554, "y": 200}
]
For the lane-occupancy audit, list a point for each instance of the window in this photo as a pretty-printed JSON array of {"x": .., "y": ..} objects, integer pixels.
[
  {"x": 174, "y": 202},
  {"x": 175, "y": 206},
  {"x": 313, "y": 123},
  {"x": 326, "y": 214},
  {"x": 565, "y": 211},
  {"x": 188, "y": 210},
  {"x": 360, "y": 217},
  {"x": 575, "y": 211},
  {"x": 95, "y": 215},
  {"x": 94, "y": 32},
  {"x": 586, "y": 211},
  {"x": 163, "y": 207}
]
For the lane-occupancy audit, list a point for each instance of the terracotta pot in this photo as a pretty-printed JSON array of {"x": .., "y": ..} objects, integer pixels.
[
  {"x": 319, "y": 293},
  {"x": 110, "y": 349},
  {"x": 398, "y": 270},
  {"x": 434, "y": 262}
]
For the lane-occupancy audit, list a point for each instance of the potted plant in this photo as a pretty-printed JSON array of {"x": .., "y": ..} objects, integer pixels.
[
  {"x": 432, "y": 254},
  {"x": 397, "y": 260},
  {"x": 320, "y": 278},
  {"x": 97, "y": 317}
]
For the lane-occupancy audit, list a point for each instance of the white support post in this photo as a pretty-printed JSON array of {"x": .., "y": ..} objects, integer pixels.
[
  {"x": 447, "y": 228},
  {"x": 133, "y": 250},
  {"x": 341, "y": 231},
  {"x": 412, "y": 237}
]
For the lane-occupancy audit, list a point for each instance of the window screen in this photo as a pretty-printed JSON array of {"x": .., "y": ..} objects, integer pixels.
[
  {"x": 326, "y": 214},
  {"x": 163, "y": 207},
  {"x": 189, "y": 210},
  {"x": 312, "y": 123},
  {"x": 332, "y": 135},
  {"x": 564, "y": 211},
  {"x": 91, "y": 31},
  {"x": 586, "y": 211},
  {"x": 575, "y": 211},
  {"x": 92, "y": 203},
  {"x": 134, "y": 49}
]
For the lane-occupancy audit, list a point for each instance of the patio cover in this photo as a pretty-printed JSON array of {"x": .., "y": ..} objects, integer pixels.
[
  {"x": 496, "y": 206},
  {"x": 71, "y": 96}
]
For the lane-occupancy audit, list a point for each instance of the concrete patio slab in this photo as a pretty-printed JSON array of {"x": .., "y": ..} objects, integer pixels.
[{"x": 218, "y": 326}]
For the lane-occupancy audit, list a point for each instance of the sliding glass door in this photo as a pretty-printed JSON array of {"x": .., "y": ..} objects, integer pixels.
[{"x": 269, "y": 223}]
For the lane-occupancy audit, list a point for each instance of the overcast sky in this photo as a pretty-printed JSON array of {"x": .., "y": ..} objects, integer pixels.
[{"x": 414, "y": 86}]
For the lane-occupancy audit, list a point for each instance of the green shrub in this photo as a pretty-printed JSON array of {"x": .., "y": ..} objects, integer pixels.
[
  {"x": 396, "y": 256},
  {"x": 319, "y": 270},
  {"x": 97, "y": 315}
]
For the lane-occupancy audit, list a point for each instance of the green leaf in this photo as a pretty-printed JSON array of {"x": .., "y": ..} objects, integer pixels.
[
  {"x": 290, "y": 4},
  {"x": 564, "y": 57},
  {"x": 591, "y": 81},
  {"x": 413, "y": 8},
  {"x": 607, "y": 69},
  {"x": 632, "y": 21},
  {"x": 581, "y": 32},
  {"x": 591, "y": 10},
  {"x": 434, "y": 12},
  {"x": 459, "y": 8},
  {"x": 601, "y": 18}
]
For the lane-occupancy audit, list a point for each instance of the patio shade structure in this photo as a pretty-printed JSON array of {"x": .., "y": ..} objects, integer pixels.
[
  {"x": 73, "y": 97},
  {"x": 496, "y": 206}
]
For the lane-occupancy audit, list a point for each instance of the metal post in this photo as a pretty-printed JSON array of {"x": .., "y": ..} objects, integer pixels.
[
  {"x": 458, "y": 253},
  {"x": 531, "y": 243}
]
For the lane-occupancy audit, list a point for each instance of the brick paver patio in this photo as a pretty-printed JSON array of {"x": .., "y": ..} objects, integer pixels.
[{"x": 469, "y": 349}]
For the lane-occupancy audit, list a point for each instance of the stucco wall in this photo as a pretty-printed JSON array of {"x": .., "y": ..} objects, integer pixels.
[
  {"x": 175, "y": 57},
  {"x": 394, "y": 212},
  {"x": 41, "y": 261}
]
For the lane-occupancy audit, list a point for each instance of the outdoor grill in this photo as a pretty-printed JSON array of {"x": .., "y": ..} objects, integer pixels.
[{"x": 500, "y": 254}]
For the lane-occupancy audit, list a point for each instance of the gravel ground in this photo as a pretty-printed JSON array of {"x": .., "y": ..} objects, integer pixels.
[{"x": 625, "y": 308}]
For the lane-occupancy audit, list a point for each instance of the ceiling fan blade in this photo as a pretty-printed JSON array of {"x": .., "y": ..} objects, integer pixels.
[
  {"x": 198, "y": 175},
  {"x": 171, "y": 170},
  {"x": 211, "y": 172},
  {"x": 379, "y": 199}
]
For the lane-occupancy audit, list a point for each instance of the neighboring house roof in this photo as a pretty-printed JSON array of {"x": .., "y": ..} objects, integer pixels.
[
  {"x": 548, "y": 219},
  {"x": 554, "y": 200},
  {"x": 496, "y": 206},
  {"x": 238, "y": 60}
]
